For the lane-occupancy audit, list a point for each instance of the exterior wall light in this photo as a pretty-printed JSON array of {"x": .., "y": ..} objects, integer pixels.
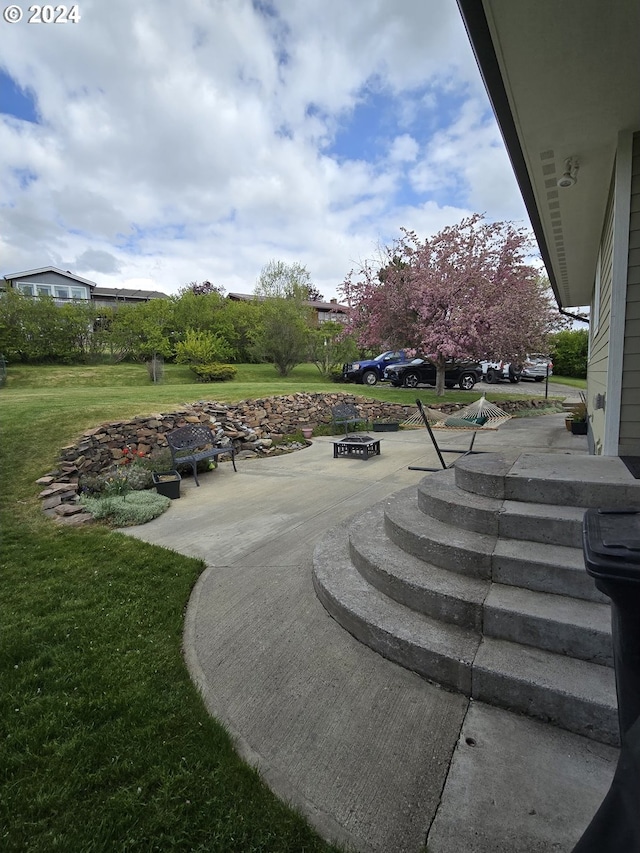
[{"x": 570, "y": 175}]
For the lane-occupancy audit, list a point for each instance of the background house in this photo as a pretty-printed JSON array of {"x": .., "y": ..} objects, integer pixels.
[
  {"x": 65, "y": 286},
  {"x": 322, "y": 311},
  {"x": 563, "y": 81}
]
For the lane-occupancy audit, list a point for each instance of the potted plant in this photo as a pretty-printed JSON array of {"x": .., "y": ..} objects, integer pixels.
[
  {"x": 579, "y": 418},
  {"x": 386, "y": 425},
  {"x": 167, "y": 483}
]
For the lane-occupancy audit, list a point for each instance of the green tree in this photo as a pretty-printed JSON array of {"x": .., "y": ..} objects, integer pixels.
[
  {"x": 143, "y": 331},
  {"x": 199, "y": 311},
  {"x": 284, "y": 281},
  {"x": 569, "y": 350},
  {"x": 330, "y": 347},
  {"x": 12, "y": 325},
  {"x": 38, "y": 329},
  {"x": 282, "y": 336}
]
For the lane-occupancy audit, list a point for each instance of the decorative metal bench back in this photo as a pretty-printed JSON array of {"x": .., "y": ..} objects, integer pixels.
[
  {"x": 345, "y": 412},
  {"x": 190, "y": 437}
]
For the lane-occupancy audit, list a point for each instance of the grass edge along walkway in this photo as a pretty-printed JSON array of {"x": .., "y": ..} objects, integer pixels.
[{"x": 107, "y": 744}]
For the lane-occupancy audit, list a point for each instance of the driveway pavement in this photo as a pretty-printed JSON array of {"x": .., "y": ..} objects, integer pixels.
[{"x": 374, "y": 756}]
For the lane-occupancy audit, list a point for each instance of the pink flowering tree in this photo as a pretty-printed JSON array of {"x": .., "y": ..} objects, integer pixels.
[{"x": 467, "y": 292}]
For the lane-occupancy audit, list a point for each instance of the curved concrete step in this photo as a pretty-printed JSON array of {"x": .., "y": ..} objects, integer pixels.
[
  {"x": 570, "y": 693},
  {"x": 533, "y": 565},
  {"x": 544, "y": 568},
  {"x": 464, "y": 551},
  {"x": 421, "y": 586},
  {"x": 440, "y": 497},
  {"x": 556, "y": 623},
  {"x": 551, "y": 478},
  {"x": 547, "y": 523},
  {"x": 436, "y": 650},
  {"x": 574, "y": 694}
]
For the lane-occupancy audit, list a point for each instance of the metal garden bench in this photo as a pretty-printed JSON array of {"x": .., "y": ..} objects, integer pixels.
[
  {"x": 195, "y": 442},
  {"x": 346, "y": 413}
]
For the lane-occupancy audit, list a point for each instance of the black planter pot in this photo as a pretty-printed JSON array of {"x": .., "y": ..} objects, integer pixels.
[
  {"x": 579, "y": 427},
  {"x": 384, "y": 426},
  {"x": 167, "y": 483}
]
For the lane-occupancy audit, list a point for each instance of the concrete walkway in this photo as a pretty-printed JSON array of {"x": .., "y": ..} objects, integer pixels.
[{"x": 376, "y": 758}]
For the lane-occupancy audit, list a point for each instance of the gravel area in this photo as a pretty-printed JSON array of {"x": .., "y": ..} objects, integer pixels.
[{"x": 535, "y": 389}]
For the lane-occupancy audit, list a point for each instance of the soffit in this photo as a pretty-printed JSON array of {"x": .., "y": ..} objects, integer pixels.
[{"x": 571, "y": 72}]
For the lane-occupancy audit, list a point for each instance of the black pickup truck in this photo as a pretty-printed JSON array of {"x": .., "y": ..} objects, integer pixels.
[{"x": 421, "y": 372}]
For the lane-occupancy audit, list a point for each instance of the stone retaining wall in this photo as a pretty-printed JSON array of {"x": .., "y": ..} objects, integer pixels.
[{"x": 250, "y": 425}]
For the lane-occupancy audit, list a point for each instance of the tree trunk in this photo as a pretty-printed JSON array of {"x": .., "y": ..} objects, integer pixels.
[{"x": 440, "y": 371}]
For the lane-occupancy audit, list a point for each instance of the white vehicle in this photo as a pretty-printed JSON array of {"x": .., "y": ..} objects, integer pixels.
[
  {"x": 495, "y": 371},
  {"x": 535, "y": 366}
]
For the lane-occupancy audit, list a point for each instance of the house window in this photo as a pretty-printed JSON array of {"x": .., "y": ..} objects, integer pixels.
[
  {"x": 61, "y": 292},
  {"x": 26, "y": 289},
  {"x": 78, "y": 293},
  {"x": 44, "y": 290}
]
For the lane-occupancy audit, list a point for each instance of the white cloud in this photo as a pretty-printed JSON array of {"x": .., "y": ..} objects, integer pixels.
[
  {"x": 192, "y": 141},
  {"x": 403, "y": 149}
]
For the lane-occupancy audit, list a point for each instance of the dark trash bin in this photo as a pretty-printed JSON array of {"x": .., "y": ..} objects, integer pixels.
[{"x": 611, "y": 545}]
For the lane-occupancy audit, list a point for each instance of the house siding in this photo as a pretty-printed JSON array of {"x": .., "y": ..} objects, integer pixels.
[
  {"x": 629, "y": 439},
  {"x": 599, "y": 336}
]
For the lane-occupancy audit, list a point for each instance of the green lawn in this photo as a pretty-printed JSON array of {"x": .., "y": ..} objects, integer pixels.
[{"x": 106, "y": 743}]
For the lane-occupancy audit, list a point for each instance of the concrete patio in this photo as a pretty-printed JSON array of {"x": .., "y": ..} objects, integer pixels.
[{"x": 377, "y": 758}]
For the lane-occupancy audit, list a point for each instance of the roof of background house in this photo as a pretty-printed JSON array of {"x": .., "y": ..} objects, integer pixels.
[
  {"x": 314, "y": 303},
  {"x": 125, "y": 293},
  {"x": 10, "y": 276},
  {"x": 96, "y": 292}
]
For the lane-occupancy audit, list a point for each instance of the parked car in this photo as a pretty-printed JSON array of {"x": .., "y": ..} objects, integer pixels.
[
  {"x": 535, "y": 367},
  {"x": 368, "y": 371},
  {"x": 421, "y": 372},
  {"x": 494, "y": 371}
]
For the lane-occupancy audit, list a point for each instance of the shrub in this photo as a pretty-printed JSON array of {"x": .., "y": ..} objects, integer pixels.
[
  {"x": 201, "y": 347},
  {"x": 214, "y": 372},
  {"x": 569, "y": 353},
  {"x": 137, "y": 475},
  {"x": 126, "y": 510},
  {"x": 92, "y": 484}
]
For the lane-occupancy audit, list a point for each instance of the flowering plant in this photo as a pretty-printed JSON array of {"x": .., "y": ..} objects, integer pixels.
[{"x": 129, "y": 455}]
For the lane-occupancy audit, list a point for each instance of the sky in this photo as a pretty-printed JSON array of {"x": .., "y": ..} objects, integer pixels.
[{"x": 157, "y": 143}]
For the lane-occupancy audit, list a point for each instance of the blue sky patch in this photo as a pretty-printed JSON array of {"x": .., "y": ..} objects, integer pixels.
[
  {"x": 366, "y": 132},
  {"x": 15, "y": 101},
  {"x": 25, "y": 177}
]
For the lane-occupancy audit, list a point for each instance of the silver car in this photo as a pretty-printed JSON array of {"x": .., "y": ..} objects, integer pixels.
[{"x": 535, "y": 367}]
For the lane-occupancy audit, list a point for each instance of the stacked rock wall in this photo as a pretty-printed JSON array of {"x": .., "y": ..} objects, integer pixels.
[{"x": 250, "y": 425}]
